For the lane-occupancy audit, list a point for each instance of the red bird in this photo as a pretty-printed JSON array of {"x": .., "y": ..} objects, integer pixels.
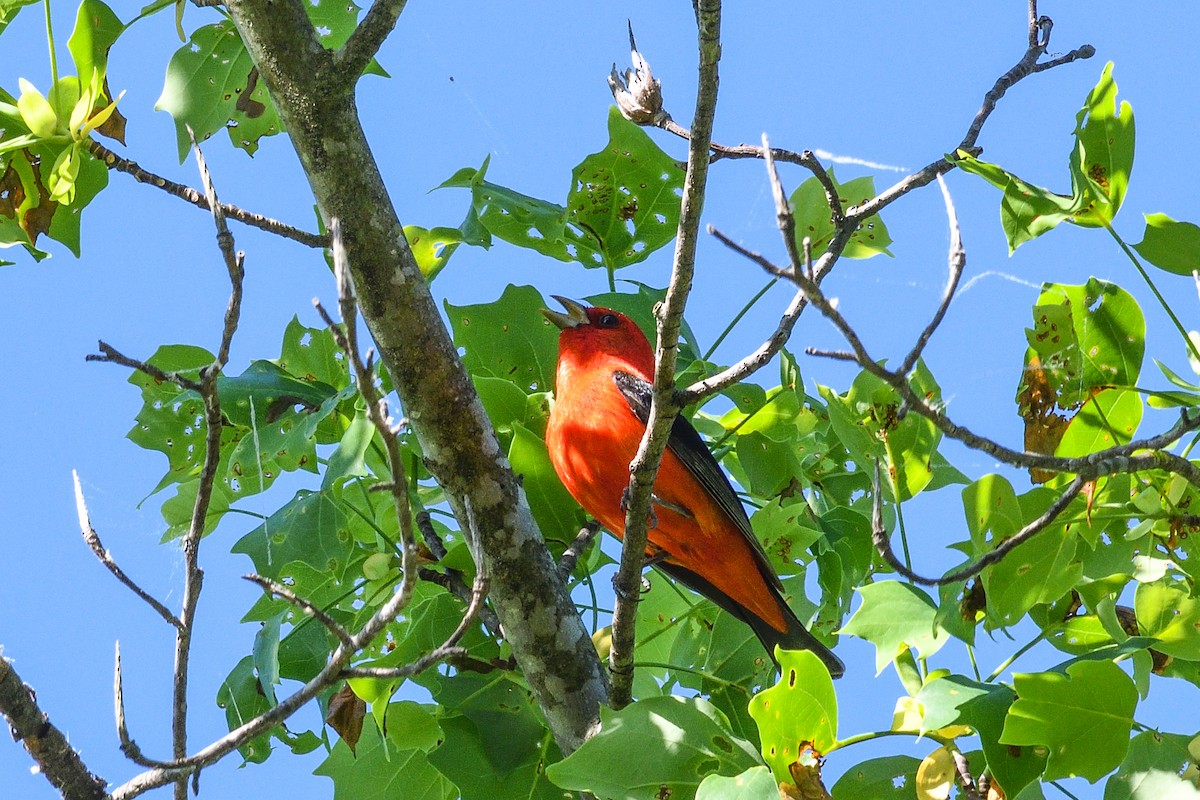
[{"x": 700, "y": 534}]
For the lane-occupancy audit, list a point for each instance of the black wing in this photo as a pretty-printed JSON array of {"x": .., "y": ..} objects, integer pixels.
[{"x": 689, "y": 447}]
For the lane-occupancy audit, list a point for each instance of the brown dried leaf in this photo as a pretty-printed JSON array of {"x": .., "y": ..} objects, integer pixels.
[
  {"x": 346, "y": 713},
  {"x": 114, "y": 126},
  {"x": 13, "y": 196},
  {"x": 1036, "y": 403}
]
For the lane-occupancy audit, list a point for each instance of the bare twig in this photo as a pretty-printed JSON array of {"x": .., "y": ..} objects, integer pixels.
[
  {"x": 664, "y": 407},
  {"x": 97, "y": 547},
  {"x": 346, "y": 336},
  {"x": 570, "y": 556},
  {"x": 128, "y": 746},
  {"x": 110, "y": 355},
  {"x": 278, "y": 589},
  {"x": 45, "y": 743},
  {"x": 958, "y": 261},
  {"x": 447, "y": 649},
  {"x": 970, "y": 790},
  {"x": 853, "y": 217},
  {"x": 197, "y": 198},
  {"x": 367, "y": 38},
  {"x": 880, "y": 539}
]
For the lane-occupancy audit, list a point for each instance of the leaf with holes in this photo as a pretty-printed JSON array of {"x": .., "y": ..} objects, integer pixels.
[
  {"x": 520, "y": 220},
  {"x": 508, "y": 338},
  {"x": 311, "y": 528},
  {"x": 1103, "y": 156},
  {"x": 813, "y": 219},
  {"x": 626, "y": 195},
  {"x": 211, "y": 84},
  {"x": 797, "y": 714},
  {"x": 889, "y": 778},
  {"x": 1083, "y": 717},
  {"x": 658, "y": 743}
]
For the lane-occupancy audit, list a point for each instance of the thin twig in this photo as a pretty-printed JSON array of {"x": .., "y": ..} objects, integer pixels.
[
  {"x": 197, "y": 198},
  {"x": 110, "y": 355},
  {"x": 367, "y": 38},
  {"x": 970, "y": 791},
  {"x": 663, "y": 406},
  {"x": 448, "y": 648},
  {"x": 884, "y": 547},
  {"x": 97, "y": 547},
  {"x": 346, "y": 337},
  {"x": 128, "y": 746},
  {"x": 853, "y": 217},
  {"x": 958, "y": 261},
  {"x": 570, "y": 556},
  {"x": 276, "y": 588}
]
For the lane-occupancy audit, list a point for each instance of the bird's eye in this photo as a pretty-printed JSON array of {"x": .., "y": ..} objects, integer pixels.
[{"x": 607, "y": 321}]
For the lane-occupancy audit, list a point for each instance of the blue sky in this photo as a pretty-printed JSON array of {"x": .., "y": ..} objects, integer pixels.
[{"x": 526, "y": 85}]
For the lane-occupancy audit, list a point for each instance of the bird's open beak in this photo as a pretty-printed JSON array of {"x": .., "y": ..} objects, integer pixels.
[{"x": 576, "y": 313}]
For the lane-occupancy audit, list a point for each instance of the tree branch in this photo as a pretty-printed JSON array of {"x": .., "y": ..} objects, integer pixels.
[
  {"x": 196, "y": 198},
  {"x": 664, "y": 407},
  {"x": 556, "y": 656},
  {"x": 278, "y": 589},
  {"x": 44, "y": 742},
  {"x": 855, "y": 216},
  {"x": 97, "y": 547},
  {"x": 368, "y": 37}
]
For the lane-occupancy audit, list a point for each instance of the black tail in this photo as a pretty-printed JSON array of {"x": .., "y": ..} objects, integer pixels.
[{"x": 796, "y": 637}]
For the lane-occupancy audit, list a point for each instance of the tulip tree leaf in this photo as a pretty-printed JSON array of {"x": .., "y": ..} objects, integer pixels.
[
  {"x": 888, "y": 778},
  {"x": 1170, "y": 245},
  {"x": 508, "y": 339},
  {"x": 813, "y": 217},
  {"x": 626, "y": 196},
  {"x": 657, "y": 744},
  {"x": 896, "y": 615},
  {"x": 1083, "y": 718},
  {"x": 800, "y": 711}
]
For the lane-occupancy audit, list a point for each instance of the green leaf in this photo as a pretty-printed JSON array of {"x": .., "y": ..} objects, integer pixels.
[
  {"x": 786, "y": 533},
  {"x": 1039, "y": 571},
  {"x": 211, "y": 84},
  {"x": 1108, "y": 418},
  {"x": 311, "y": 529},
  {"x": 800, "y": 710},
  {"x": 1026, "y": 211},
  {"x": 1170, "y": 245},
  {"x": 241, "y": 697},
  {"x": 557, "y": 514},
  {"x": 521, "y": 220},
  {"x": 311, "y": 355},
  {"x": 958, "y": 700},
  {"x": 888, "y": 778},
  {"x": 508, "y": 338},
  {"x": 96, "y": 30},
  {"x": 1167, "y": 611},
  {"x": 432, "y": 247},
  {"x": 1109, "y": 327},
  {"x": 1104, "y": 133},
  {"x": 813, "y": 217},
  {"x": 464, "y": 758},
  {"x": 991, "y": 506},
  {"x": 1151, "y": 770},
  {"x": 391, "y": 770},
  {"x": 894, "y": 616},
  {"x": 266, "y": 655},
  {"x": 1083, "y": 718},
  {"x": 626, "y": 195},
  {"x": 348, "y": 459},
  {"x": 659, "y": 743},
  {"x": 9, "y": 9},
  {"x": 755, "y": 783}
]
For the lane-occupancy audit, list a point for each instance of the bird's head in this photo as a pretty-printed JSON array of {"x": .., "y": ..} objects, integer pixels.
[{"x": 592, "y": 332}]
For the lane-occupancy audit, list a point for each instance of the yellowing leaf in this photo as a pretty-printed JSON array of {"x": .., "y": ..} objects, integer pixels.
[
  {"x": 935, "y": 776},
  {"x": 36, "y": 111}
]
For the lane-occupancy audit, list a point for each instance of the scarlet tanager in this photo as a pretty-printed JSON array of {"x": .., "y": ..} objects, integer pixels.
[{"x": 699, "y": 533}]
